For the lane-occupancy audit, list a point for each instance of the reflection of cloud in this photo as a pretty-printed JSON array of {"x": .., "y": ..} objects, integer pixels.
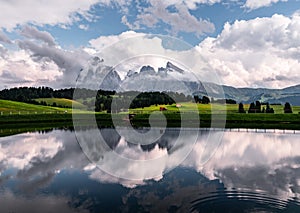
[
  {"x": 39, "y": 156},
  {"x": 127, "y": 161},
  {"x": 174, "y": 192},
  {"x": 20, "y": 152},
  {"x": 268, "y": 162},
  {"x": 12, "y": 203}
]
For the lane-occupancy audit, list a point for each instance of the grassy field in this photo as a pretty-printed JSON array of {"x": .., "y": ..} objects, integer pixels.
[
  {"x": 13, "y": 107},
  {"x": 62, "y": 102},
  {"x": 207, "y": 108},
  {"x": 17, "y": 114}
]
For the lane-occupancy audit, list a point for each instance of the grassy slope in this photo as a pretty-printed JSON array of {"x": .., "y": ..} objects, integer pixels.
[
  {"x": 63, "y": 102},
  {"x": 14, "y": 107}
]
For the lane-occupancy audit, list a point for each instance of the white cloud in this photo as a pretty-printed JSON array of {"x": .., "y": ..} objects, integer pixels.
[
  {"x": 180, "y": 21},
  {"x": 192, "y": 4},
  {"x": 255, "y": 4},
  {"x": 54, "y": 12},
  {"x": 83, "y": 27},
  {"x": 18, "y": 69},
  {"x": 40, "y": 61},
  {"x": 68, "y": 63},
  {"x": 106, "y": 41},
  {"x": 20, "y": 153},
  {"x": 137, "y": 48},
  {"x": 256, "y": 52}
]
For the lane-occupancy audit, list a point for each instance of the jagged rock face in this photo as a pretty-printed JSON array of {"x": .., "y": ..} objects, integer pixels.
[
  {"x": 111, "y": 81},
  {"x": 131, "y": 73},
  {"x": 147, "y": 79},
  {"x": 171, "y": 67},
  {"x": 99, "y": 76},
  {"x": 148, "y": 69}
]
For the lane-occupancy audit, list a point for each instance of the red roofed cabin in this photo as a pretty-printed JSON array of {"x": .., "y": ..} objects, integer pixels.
[{"x": 162, "y": 109}]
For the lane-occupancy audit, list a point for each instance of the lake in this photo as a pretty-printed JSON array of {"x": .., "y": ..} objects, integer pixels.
[{"x": 62, "y": 170}]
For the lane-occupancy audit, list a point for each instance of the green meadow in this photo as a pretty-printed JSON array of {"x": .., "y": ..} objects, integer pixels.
[
  {"x": 23, "y": 116},
  {"x": 19, "y": 108},
  {"x": 207, "y": 108}
]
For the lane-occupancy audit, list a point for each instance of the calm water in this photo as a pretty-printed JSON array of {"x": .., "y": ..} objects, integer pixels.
[{"x": 248, "y": 172}]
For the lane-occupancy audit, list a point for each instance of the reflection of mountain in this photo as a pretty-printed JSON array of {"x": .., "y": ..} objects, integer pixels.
[{"x": 173, "y": 78}]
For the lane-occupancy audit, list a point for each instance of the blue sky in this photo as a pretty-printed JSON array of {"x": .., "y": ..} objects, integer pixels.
[
  {"x": 108, "y": 21},
  {"x": 247, "y": 43}
]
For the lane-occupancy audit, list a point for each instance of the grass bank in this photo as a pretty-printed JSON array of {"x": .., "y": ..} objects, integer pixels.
[
  {"x": 18, "y": 115},
  {"x": 259, "y": 121}
]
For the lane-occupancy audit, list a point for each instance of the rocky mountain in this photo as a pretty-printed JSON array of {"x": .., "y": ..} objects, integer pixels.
[{"x": 173, "y": 78}]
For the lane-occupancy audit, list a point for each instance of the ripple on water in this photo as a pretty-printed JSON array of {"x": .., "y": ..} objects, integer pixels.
[{"x": 242, "y": 200}]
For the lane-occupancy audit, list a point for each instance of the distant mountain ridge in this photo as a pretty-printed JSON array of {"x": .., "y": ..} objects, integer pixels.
[{"x": 173, "y": 78}]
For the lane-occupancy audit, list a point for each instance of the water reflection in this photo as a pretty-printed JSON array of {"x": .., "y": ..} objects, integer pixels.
[{"x": 252, "y": 171}]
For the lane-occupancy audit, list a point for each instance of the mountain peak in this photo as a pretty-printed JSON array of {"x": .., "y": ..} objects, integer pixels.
[
  {"x": 171, "y": 67},
  {"x": 96, "y": 60},
  {"x": 147, "y": 69}
]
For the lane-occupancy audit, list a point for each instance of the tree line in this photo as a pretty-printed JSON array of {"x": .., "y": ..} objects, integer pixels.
[
  {"x": 257, "y": 107},
  {"x": 102, "y": 101},
  {"x": 28, "y": 94},
  {"x": 133, "y": 99}
]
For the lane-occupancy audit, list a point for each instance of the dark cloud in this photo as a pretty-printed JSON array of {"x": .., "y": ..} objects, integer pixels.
[
  {"x": 70, "y": 62},
  {"x": 11, "y": 78},
  {"x": 4, "y": 38},
  {"x": 3, "y": 52},
  {"x": 32, "y": 32}
]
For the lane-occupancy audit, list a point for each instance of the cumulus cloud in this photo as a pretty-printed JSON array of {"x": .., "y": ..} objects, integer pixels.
[
  {"x": 69, "y": 63},
  {"x": 246, "y": 52},
  {"x": 255, "y": 4},
  {"x": 131, "y": 49},
  {"x": 37, "y": 12},
  {"x": 17, "y": 68},
  {"x": 268, "y": 46},
  {"x": 32, "y": 32},
  {"x": 40, "y": 61},
  {"x": 106, "y": 41},
  {"x": 179, "y": 21}
]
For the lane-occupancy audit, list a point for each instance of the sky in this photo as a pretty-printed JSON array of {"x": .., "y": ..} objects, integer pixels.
[{"x": 247, "y": 43}]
